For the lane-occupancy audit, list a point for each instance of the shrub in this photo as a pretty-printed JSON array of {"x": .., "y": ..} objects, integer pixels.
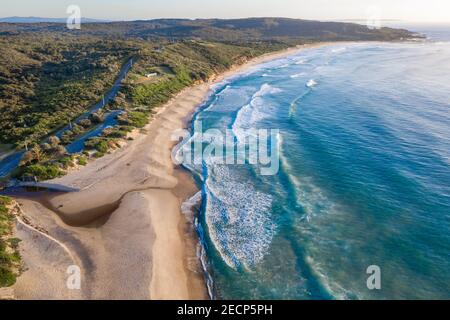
[
  {"x": 125, "y": 128},
  {"x": 135, "y": 119},
  {"x": 67, "y": 136},
  {"x": 36, "y": 154},
  {"x": 82, "y": 161},
  {"x": 14, "y": 243},
  {"x": 43, "y": 172},
  {"x": 60, "y": 151},
  {"x": 9, "y": 254},
  {"x": 7, "y": 277},
  {"x": 86, "y": 123},
  {"x": 54, "y": 141},
  {"x": 46, "y": 147},
  {"x": 27, "y": 158},
  {"x": 76, "y": 129},
  {"x": 91, "y": 143},
  {"x": 107, "y": 131},
  {"x": 101, "y": 145},
  {"x": 138, "y": 119},
  {"x": 96, "y": 117},
  {"x": 66, "y": 162},
  {"x": 115, "y": 133},
  {"x": 5, "y": 201}
]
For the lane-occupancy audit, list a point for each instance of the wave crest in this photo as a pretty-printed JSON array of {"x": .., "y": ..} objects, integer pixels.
[
  {"x": 253, "y": 111},
  {"x": 311, "y": 83}
]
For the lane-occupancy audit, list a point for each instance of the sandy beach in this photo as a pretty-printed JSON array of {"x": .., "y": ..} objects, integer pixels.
[{"x": 124, "y": 229}]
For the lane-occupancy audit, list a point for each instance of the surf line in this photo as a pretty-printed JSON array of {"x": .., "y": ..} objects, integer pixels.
[{"x": 232, "y": 147}]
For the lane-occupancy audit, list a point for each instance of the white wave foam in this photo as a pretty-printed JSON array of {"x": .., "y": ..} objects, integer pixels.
[
  {"x": 311, "y": 83},
  {"x": 201, "y": 254},
  {"x": 339, "y": 50},
  {"x": 301, "y": 62},
  {"x": 216, "y": 91},
  {"x": 337, "y": 291},
  {"x": 242, "y": 121},
  {"x": 189, "y": 206},
  {"x": 238, "y": 218},
  {"x": 215, "y": 87},
  {"x": 283, "y": 66},
  {"x": 190, "y": 209},
  {"x": 253, "y": 112},
  {"x": 441, "y": 43},
  {"x": 298, "y": 75},
  {"x": 265, "y": 90},
  {"x": 267, "y": 75}
]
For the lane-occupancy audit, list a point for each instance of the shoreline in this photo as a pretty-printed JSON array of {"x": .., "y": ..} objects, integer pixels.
[{"x": 127, "y": 232}]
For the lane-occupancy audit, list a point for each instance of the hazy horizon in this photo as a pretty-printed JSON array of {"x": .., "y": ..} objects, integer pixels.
[{"x": 437, "y": 11}]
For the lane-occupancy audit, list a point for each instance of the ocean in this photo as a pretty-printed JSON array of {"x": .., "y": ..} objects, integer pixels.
[{"x": 364, "y": 177}]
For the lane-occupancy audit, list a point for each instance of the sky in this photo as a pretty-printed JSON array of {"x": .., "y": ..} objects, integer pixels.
[{"x": 406, "y": 10}]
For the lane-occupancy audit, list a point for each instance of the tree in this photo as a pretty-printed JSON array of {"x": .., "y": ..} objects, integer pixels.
[
  {"x": 35, "y": 154},
  {"x": 61, "y": 151},
  {"x": 27, "y": 158},
  {"x": 54, "y": 141},
  {"x": 46, "y": 147},
  {"x": 86, "y": 123},
  {"x": 38, "y": 153},
  {"x": 96, "y": 117},
  {"x": 66, "y": 136}
]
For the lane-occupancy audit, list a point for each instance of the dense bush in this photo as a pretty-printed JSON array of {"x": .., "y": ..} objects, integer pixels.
[
  {"x": 115, "y": 132},
  {"x": 43, "y": 172},
  {"x": 47, "y": 80},
  {"x": 66, "y": 162},
  {"x": 9, "y": 253},
  {"x": 82, "y": 161},
  {"x": 99, "y": 144},
  {"x": 86, "y": 123},
  {"x": 134, "y": 119}
]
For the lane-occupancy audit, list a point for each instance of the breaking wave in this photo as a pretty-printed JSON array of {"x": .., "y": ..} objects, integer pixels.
[
  {"x": 252, "y": 112},
  {"x": 238, "y": 218},
  {"x": 311, "y": 83}
]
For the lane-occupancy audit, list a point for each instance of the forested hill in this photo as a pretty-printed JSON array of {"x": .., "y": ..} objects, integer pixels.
[{"x": 222, "y": 30}]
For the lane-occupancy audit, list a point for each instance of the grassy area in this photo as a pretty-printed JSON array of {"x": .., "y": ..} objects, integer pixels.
[{"x": 9, "y": 251}]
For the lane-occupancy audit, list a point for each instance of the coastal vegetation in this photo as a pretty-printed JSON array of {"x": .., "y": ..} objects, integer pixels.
[
  {"x": 50, "y": 75},
  {"x": 45, "y": 81},
  {"x": 178, "y": 65},
  {"x": 9, "y": 252}
]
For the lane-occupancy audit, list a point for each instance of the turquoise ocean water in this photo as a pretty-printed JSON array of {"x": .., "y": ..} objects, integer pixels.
[{"x": 364, "y": 176}]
